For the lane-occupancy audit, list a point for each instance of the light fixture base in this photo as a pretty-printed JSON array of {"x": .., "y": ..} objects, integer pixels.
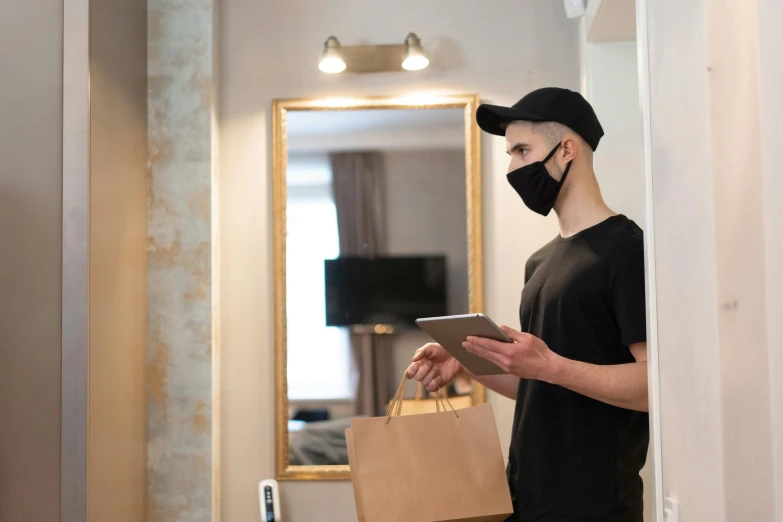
[{"x": 373, "y": 58}]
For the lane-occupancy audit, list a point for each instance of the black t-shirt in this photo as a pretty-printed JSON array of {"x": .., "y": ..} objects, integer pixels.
[{"x": 573, "y": 458}]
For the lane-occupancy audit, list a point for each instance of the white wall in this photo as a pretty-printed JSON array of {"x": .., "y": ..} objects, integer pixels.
[
  {"x": 717, "y": 263},
  {"x": 740, "y": 254},
  {"x": 500, "y": 50},
  {"x": 770, "y": 12},
  {"x": 685, "y": 264}
]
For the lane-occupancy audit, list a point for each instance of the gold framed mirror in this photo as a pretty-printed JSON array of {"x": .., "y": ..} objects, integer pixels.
[{"x": 377, "y": 220}]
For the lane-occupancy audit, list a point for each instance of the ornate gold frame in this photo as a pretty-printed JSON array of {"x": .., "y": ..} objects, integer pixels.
[{"x": 468, "y": 103}]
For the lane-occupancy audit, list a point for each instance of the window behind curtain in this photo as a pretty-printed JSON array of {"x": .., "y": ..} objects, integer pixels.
[{"x": 318, "y": 356}]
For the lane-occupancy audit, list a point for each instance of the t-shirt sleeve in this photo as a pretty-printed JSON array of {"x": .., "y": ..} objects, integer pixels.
[{"x": 629, "y": 297}]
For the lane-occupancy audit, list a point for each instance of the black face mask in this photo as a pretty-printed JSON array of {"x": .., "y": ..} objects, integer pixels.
[{"x": 536, "y": 187}]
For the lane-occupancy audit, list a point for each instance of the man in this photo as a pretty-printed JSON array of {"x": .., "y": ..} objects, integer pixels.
[{"x": 578, "y": 368}]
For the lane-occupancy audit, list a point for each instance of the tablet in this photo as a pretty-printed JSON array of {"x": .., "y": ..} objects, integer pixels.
[{"x": 451, "y": 331}]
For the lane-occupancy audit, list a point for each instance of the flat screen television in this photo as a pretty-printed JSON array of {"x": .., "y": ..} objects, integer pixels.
[{"x": 384, "y": 290}]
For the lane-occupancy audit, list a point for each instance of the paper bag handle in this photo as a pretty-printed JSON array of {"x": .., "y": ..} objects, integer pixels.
[{"x": 395, "y": 406}]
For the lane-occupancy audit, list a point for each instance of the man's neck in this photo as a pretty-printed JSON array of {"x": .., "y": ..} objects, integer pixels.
[{"x": 581, "y": 207}]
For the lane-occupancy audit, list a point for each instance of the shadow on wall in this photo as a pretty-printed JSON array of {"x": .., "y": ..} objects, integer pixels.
[{"x": 445, "y": 54}]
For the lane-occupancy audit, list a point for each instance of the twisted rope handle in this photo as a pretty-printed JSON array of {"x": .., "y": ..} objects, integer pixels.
[{"x": 395, "y": 406}]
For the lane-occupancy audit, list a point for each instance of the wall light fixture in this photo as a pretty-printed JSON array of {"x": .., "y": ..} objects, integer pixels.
[
  {"x": 415, "y": 60},
  {"x": 408, "y": 56},
  {"x": 332, "y": 60}
]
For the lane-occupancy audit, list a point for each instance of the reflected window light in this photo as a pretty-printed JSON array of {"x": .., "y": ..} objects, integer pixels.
[{"x": 318, "y": 356}]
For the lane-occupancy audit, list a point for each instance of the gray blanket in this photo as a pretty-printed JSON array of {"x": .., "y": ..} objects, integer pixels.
[{"x": 320, "y": 444}]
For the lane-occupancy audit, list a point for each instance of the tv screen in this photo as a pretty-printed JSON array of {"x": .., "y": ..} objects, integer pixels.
[{"x": 384, "y": 290}]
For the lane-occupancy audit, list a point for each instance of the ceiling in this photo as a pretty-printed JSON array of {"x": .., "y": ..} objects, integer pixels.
[{"x": 375, "y": 129}]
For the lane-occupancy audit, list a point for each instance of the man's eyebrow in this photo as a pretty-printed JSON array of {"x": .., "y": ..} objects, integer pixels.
[{"x": 518, "y": 146}]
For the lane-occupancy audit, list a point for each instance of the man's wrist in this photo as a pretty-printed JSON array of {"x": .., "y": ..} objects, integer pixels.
[{"x": 554, "y": 370}]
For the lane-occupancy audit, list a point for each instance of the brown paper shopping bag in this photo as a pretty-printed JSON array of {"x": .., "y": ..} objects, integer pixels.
[
  {"x": 442, "y": 466},
  {"x": 354, "y": 464}
]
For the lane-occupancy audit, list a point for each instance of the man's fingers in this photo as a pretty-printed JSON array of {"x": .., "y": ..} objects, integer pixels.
[
  {"x": 431, "y": 375},
  {"x": 492, "y": 356},
  {"x": 434, "y": 385},
  {"x": 423, "y": 370},
  {"x": 422, "y": 353},
  {"x": 515, "y": 335},
  {"x": 488, "y": 344}
]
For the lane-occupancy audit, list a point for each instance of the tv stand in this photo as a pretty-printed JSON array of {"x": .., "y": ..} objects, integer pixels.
[{"x": 379, "y": 329}]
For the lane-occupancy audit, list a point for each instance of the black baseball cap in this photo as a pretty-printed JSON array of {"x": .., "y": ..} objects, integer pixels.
[{"x": 548, "y": 104}]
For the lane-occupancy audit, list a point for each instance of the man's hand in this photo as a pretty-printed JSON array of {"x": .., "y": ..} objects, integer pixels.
[
  {"x": 434, "y": 367},
  {"x": 528, "y": 357}
]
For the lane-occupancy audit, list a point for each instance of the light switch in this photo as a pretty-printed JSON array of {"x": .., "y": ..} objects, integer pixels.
[{"x": 671, "y": 510}]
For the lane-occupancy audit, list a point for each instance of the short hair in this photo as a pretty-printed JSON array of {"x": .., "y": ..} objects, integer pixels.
[{"x": 553, "y": 133}]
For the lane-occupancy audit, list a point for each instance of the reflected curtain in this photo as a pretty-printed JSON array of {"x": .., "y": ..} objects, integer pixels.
[{"x": 358, "y": 184}]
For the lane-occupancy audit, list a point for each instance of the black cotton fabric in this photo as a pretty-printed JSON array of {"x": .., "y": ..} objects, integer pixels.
[{"x": 573, "y": 458}]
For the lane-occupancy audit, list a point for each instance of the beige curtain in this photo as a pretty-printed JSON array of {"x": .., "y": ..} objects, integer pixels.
[
  {"x": 358, "y": 184},
  {"x": 359, "y": 195}
]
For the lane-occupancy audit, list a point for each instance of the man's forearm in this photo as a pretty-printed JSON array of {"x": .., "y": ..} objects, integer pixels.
[
  {"x": 506, "y": 385},
  {"x": 621, "y": 385}
]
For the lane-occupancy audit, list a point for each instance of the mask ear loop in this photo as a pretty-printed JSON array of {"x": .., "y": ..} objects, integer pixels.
[
  {"x": 549, "y": 156},
  {"x": 568, "y": 167},
  {"x": 565, "y": 173}
]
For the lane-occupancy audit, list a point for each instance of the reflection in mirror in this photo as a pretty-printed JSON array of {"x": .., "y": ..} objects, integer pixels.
[{"x": 376, "y": 236}]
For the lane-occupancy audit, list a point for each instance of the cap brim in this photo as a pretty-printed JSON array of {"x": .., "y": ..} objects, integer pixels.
[{"x": 494, "y": 119}]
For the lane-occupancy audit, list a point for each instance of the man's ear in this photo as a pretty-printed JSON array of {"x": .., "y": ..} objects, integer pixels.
[{"x": 569, "y": 148}]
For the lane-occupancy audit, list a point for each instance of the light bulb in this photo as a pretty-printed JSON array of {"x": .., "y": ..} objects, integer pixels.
[
  {"x": 332, "y": 65},
  {"x": 415, "y": 60},
  {"x": 332, "y": 60},
  {"x": 415, "y": 63}
]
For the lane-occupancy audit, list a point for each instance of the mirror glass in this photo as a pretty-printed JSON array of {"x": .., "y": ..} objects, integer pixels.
[{"x": 376, "y": 236}]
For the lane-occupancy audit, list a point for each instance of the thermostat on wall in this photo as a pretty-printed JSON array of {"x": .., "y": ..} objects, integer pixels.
[{"x": 269, "y": 499}]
